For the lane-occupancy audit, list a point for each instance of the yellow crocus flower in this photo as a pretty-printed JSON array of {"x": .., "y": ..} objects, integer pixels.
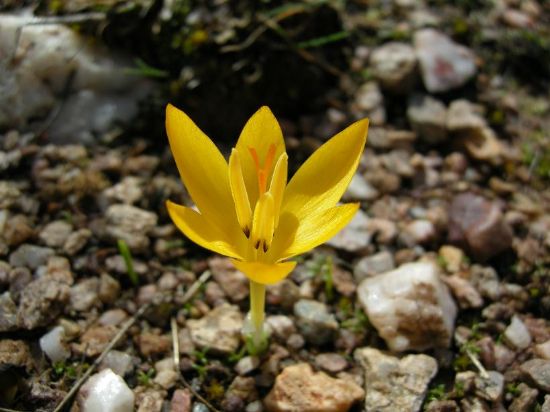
[{"x": 246, "y": 209}]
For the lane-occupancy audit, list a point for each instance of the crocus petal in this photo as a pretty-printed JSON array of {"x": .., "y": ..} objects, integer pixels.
[
  {"x": 199, "y": 230},
  {"x": 294, "y": 237},
  {"x": 322, "y": 180},
  {"x": 203, "y": 170},
  {"x": 264, "y": 273},
  {"x": 260, "y": 132}
]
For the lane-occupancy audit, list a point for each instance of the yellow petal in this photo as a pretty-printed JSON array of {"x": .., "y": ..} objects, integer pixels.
[
  {"x": 322, "y": 180},
  {"x": 238, "y": 190},
  {"x": 278, "y": 184},
  {"x": 260, "y": 132},
  {"x": 294, "y": 237},
  {"x": 203, "y": 170},
  {"x": 264, "y": 273},
  {"x": 199, "y": 230}
]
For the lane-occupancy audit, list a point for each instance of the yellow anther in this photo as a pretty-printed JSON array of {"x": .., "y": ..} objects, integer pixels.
[
  {"x": 238, "y": 190},
  {"x": 278, "y": 184},
  {"x": 263, "y": 222}
]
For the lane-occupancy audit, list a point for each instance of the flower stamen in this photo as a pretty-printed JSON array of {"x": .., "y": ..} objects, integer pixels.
[
  {"x": 263, "y": 222},
  {"x": 263, "y": 171}
]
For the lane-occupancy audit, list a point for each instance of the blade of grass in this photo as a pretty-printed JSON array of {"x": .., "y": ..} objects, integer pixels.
[
  {"x": 127, "y": 256},
  {"x": 321, "y": 41}
]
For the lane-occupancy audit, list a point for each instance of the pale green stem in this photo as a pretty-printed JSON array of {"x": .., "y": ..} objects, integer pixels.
[{"x": 257, "y": 305}]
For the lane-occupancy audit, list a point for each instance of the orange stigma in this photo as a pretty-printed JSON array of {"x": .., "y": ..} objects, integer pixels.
[{"x": 263, "y": 172}]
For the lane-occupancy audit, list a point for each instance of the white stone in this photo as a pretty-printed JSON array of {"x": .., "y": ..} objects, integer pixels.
[
  {"x": 360, "y": 189},
  {"x": 44, "y": 61},
  {"x": 355, "y": 236},
  {"x": 428, "y": 117},
  {"x": 119, "y": 362},
  {"x": 444, "y": 64},
  {"x": 410, "y": 307},
  {"x": 517, "y": 334},
  {"x": 394, "y": 65},
  {"x": 105, "y": 392},
  {"x": 219, "y": 330},
  {"x": 53, "y": 345}
]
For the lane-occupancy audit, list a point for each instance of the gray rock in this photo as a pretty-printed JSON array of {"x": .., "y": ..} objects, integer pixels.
[
  {"x": 546, "y": 404},
  {"x": 41, "y": 302},
  {"x": 119, "y": 362},
  {"x": 246, "y": 365},
  {"x": 394, "y": 65},
  {"x": 109, "y": 288},
  {"x": 8, "y": 313},
  {"x": 466, "y": 295},
  {"x": 128, "y": 191},
  {"x": 444, "y": 64},
  {"x": 393, "y": 384},
  {"x": 373, "y": 265},
  {"x": 84, "y": 295},
  {"x": 314, "y": 321},
  {"x": 538, "y": 371},
  {"x": 478, "y": 224},
  {"x": 219, "y": 330},
  {"x": 428, "y": 117},
  {"x": 464, "y": 116},
  {"x": 526, "y": 399},
  {"x": 232, "y": 282},
  {"x": 486, "y": 281},
  {"x": 30, "y": 256},
  {"x": 76, "y": 241},
  {"x": 355, "y": 237},
  {"x": 489, "y": 388},
  {"x": 14, "y": 353},
  {"x": 410, "y": 307},
  {"x": 130, "y": 224},
  {"x": 280, "y": 326},
  {"x": 55, "y": 234},
  {"x": 517, "y": 334},
  {"x": 331, "y": 362},
  {"x": 360, "y": 189},
  {"x": 418, "y": 232},
  {"x": 369, "y": 101}
]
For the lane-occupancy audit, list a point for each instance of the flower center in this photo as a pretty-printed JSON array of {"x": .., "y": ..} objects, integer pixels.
[{"x": 259, "y": 223}]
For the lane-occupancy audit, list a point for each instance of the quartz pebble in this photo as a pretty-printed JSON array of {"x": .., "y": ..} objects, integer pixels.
[
  {"x": 53, "y": 345},
  {"x": 410, "y": 307},
  {"x": 444, "y": 64},
  {"x": 314, "y": 321},
  {"x": 517, "y": 334},
  {"x": 105, "y": 392},
  {"x": 119, "y": 362}
]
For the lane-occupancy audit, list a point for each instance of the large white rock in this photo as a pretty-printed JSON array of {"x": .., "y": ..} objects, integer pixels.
[
  {"x": 105, "y": 392},
  {"x": 444, "y": 64},
  {"x": 43, "y": 61},
  {"x": 410, "y": 307}
]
